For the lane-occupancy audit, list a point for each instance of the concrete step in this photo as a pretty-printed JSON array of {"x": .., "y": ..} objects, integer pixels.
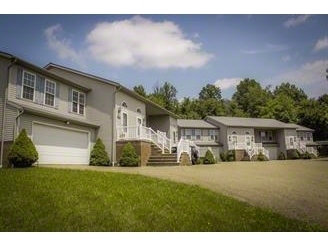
[{"x": 151, "y": 160}]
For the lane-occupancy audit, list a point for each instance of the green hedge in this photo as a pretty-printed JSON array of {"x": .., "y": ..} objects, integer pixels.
[{"x": 209, "y": 158}]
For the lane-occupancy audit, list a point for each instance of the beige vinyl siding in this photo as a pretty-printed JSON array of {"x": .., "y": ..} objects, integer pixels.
[
  {"x": 160, "y": 123},
  {"x": 3, "y": 80},
  {"x": 11, "y": 113}
]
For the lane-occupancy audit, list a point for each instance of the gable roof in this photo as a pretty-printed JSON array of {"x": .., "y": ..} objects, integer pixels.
[
  {"x": 195, "y": 124},
  {"x": 301, "y": 128},
  {"x": 248, "y": 122},
  {"x": 150, "y": 106},
  {"x": 44, "y": 72}
]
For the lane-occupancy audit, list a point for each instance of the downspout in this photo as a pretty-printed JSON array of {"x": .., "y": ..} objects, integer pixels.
[
  {"x": 114, "y": 124},
  {"x": 12, "y": 62},
  {"x": 20, "y": 112}
]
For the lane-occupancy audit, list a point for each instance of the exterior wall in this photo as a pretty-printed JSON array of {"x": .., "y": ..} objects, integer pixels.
[
  {"x": 173, "y": 132},
  {"x": 100, "y": 103},
  {"x": 133, "y": 105},
  {"x": 160, "y": 123},
  {"x": 6, "y": 147},
  {"x": 143, "y": 149},
  {"x": 280, "y": 139},
  {"x": 3, "y": 81}
]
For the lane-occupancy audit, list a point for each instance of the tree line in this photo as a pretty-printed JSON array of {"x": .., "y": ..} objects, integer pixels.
[{"x": 286, "y": 102}]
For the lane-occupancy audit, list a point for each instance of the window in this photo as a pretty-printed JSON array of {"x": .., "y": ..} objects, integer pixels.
[
  {"x": 308, "y": 136},
  {"x": 138, "y": 110},
  {"x": 49, "y": 93},
  {"x": 266, "y": 136},
  {"x": 198, "y": 134},
  {"x": 78, "y": 102},
  {"x": 28, "y": 86},
  {"x": 213, "y": 134},
  {"x": 124, "y": 105},
  {"x": 188, "y": 133}
]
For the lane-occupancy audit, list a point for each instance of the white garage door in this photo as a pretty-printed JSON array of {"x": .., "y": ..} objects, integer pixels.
[
  {"x": 272, "y": 152},
  {"x": 60, "y": 145}
]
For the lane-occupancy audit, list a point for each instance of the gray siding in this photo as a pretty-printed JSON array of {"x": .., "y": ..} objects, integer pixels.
[
  {"x": 100, "y": 103},
  {"x": 3, "y": 80}
]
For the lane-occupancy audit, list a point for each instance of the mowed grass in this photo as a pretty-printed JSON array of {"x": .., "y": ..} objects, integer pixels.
[{"x": 46, "y": 199}]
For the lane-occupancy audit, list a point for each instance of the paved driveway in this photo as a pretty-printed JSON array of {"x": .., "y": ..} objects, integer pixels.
[{"x": 297, "y": 189}]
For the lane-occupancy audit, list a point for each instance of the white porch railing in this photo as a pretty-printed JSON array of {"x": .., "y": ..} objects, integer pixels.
[
  {"x": 300, "y": 146},
  {"x": 144, "y": 133},
  {"x": 252, "y": 149},
  {"x": 184, "y": 146}
]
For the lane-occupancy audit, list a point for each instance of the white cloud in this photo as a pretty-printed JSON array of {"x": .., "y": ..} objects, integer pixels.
[
  {"x": 227, "y": 83},
  {"x": 61, "y": 46},
  {"x": 267, "y": 49},
  {"x": 321, "y": 44},
  {"x": 295, "y": 21},
  {"x": 285, "y": 58},
  {"x": 144, "y": 43},
  {"x": 311, "y": 77}
]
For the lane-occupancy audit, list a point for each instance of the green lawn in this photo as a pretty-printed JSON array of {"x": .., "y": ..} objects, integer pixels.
[{"x": 46, "y": 199}]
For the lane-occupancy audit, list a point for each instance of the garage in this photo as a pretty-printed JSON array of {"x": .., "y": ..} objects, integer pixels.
[
  {"x": 60, "y": 145},
  {"x": 272, "y": 152}
]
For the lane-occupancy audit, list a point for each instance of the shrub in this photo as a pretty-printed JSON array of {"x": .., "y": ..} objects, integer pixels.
[
  {"x": 223, "y": 156},
  {"x": 261, "y": 157},
  {"x": 99, "y": 155},
  {"x": 293, "y": 154},
  {"x": 22, "y": 152},
  {"x": 281, "y": 156},
  {"x": 306, "y": 155},
  {"x": 209, "y": 158},
  {"x": 231, "y": 155},
  {"x": 129, "y": 156}
]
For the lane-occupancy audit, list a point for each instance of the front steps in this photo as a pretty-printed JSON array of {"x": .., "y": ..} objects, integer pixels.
[{"x": 157, "y": 158}]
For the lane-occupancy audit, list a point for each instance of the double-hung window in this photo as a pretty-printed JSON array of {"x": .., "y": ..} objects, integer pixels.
[
  {"x": 49, "y": 93},
  {"x": 28, "y": 86},
  {"x": 78, "y": 102}
]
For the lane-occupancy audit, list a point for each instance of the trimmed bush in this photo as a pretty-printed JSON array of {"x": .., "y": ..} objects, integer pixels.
[
  {"x": 293, "y": 154},
  {"x": 99, "y": 155},
  {"x": 231, "y": 155},
  {"x": 129, "y": 156},
  {"x": 209, "y": 158},
  {"x": 22, "y": 152},
  {"x": 281, "y": 156},
  {"x": 306, "y": 155},
  {"x": 261, "y": 157},
  {"x": 223, "y": 156}
]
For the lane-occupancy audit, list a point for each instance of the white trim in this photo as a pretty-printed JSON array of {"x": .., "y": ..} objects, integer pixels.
[
  {"x": 22, "y": 90},
  {"x": 45, "y": 92}
]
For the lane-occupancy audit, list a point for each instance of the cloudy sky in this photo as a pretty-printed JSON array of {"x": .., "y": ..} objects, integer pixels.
[{"x": 188, "y": 51}]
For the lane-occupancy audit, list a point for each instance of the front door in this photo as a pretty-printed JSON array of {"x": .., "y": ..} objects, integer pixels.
[{"x": 139, "y": 124}]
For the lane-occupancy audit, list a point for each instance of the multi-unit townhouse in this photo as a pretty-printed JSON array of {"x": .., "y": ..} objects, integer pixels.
[{"x": 64, "y": 111}]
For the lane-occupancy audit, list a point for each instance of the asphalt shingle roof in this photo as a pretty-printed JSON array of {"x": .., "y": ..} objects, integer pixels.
[
  {"x": 249, "y": 122},
  {"x": 195, "y": 124},
  {"x": 301, "y": 128}
]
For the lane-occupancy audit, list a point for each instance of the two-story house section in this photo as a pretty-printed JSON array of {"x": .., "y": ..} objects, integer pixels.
[
  {"x": 53, "y": 110},
  {"x": 202, "y": 133},
  {"x": 122, "y": 114},
  {"x": 250, "y": 136}
]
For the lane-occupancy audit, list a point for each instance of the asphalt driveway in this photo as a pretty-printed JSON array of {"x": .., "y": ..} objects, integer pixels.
[{"x": 297, "y": 189}]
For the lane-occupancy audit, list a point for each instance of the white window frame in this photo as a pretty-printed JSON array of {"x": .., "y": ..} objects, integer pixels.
[
  {"x": 54, "y": 94},
  {"x": 78, "y": 102},
  {"x": 23, "y": 80}
]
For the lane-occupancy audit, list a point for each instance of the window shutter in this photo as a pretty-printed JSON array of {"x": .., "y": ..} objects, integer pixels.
[
  {"x": 70, "y": 99},
  {"x": 57, "y": 96},
  {"x": 19, "y": 82}
]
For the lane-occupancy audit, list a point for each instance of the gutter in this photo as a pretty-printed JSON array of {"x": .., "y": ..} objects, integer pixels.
[
  {"x": 114, "y": 124},
  {"x": 13, "y": 60}
]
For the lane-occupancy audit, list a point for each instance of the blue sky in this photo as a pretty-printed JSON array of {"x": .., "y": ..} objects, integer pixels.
[{"x": 188, "y": 51}]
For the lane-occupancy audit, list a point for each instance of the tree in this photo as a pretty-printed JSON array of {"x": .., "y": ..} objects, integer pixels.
[
  {"x": 187, "y": 108},
  {"x": 22, "y": 152},
  {"x": 250, "y": 97},
  {"x": 210, "y": 107},
  {"x": 140, "y": 90},
  {"x": 129, "y": 156},
  {"x": 280, "y": 107},
  {"x": 209, "y": 158},
  {"x": 232, "y": 109},
  {"x": 99, "y": 155},
  {"x": 165, "y": 96},
  {"x": 291, "y": 91},
  {"x": 210, "y": 92}
]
